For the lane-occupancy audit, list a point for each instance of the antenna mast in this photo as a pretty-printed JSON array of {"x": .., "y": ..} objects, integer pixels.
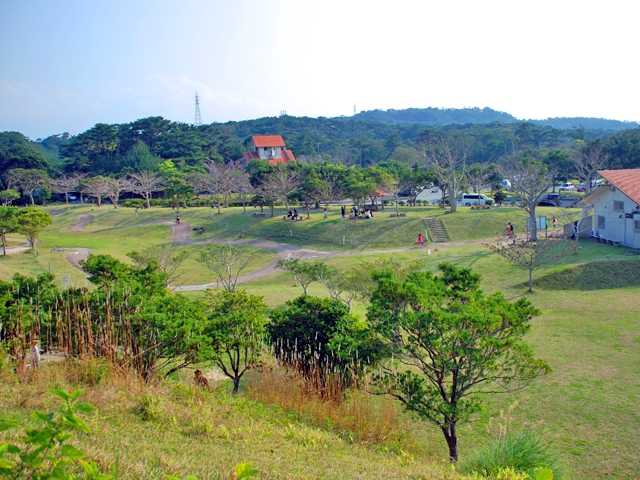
[
  {"x": 354, "y": 108},
  {"x": 198, "y": 120}
]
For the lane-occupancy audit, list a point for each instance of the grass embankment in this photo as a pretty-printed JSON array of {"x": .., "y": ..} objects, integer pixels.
[{"x": 170, "y": 428}]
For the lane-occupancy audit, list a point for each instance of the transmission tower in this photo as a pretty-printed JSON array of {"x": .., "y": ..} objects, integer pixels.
[{"x": 198, "y": 120}]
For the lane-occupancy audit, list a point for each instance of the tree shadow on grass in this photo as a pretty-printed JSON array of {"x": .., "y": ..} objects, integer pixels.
[{"x": 592, "y": 276}]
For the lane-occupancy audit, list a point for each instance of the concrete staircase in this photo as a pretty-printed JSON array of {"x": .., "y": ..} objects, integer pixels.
[{"x": 436, "y": 229}]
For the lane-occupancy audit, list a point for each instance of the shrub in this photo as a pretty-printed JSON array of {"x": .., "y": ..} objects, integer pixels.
[
  {"x": 524, "y": 452},
  {"x": 135, "y": 203},
  {"x": 489, "y": 201}
]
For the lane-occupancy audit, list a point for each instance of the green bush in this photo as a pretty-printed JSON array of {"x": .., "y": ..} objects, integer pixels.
[
  {"x": 524, "y": 452},
  {"x": 489, "y": 202},
  {"x": 134, "y": 203}
]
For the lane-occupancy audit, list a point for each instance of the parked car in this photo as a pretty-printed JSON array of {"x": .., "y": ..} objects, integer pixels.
[
  {"x": 550, "y": 200},
  {"x": 469, "y": 199},
  {"x": 567, "y": 187},
  {"x": 582, "y": 187}
]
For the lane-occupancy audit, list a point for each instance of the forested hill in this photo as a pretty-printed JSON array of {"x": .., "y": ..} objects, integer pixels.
[{"x": 449, "y": 116}]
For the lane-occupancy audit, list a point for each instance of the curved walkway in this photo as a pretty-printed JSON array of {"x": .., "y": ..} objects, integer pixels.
[{"x": 84, "y": 220}]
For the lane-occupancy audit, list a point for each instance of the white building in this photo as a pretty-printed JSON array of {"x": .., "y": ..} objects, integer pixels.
[{"x": 616, "y": 208}]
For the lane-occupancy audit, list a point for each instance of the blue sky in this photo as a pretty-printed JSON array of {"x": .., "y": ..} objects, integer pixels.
[{"x": 67, "y": 65}]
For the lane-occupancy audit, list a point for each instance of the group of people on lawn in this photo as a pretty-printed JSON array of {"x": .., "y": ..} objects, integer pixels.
[{"x": 355, "y": 213}]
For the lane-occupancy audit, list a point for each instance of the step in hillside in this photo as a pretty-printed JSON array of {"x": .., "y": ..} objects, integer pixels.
[{"x": 436, "y": 229}]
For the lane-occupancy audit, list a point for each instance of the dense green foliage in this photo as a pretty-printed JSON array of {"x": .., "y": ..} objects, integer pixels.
[{"x": 448, "y": 340}]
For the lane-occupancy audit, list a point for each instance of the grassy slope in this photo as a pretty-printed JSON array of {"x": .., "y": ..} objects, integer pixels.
[
  {"x": 159, "y": 429},
  {"x": 589, "y": 334}
]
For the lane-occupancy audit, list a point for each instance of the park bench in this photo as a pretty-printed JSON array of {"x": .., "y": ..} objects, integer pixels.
[
  {"x": 259, "y": 214},
  {"x": 403, "y": 214}
]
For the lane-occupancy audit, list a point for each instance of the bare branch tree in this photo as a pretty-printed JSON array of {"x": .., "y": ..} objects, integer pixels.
[
  {"x": 533, "y": 254},
  {"x": 448, "y": 157},
  {"x": 96, "y": 187},
  {"x": 588, "y": 157},
  {"x": 227, "y": 262},
  {"x": 279, "y": 184},
  {"x": 115, "y": 187},
  {"x": 222, "y": 180},
  {"x": 530, "y": 179},
  {"x": 243, "y": 187},
  {"x": 65, "y": 184},
  {"x": 145, "y": 184}
]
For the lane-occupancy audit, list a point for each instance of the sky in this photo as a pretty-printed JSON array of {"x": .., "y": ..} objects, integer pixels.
[{"x": 67, "y": 65}]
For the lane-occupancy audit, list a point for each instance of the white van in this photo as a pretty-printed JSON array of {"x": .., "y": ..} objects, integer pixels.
[{"x": 468, "y": 199}]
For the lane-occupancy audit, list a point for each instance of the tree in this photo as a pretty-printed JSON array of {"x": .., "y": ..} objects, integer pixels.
[
  {"x": 31, "y": 221},
  {"x": 235, "y": 325},
  {"x": 96, "y": 187},
  {"x": 588, "y": 157},
  {"x": 477, "y": 176},
  {"x": 533, "y": 254},
  {"x": 318, "y": 337},
  {"x": 447, "y": 156},
  {"x": 281, "y": 183},
  {"x": 8, "y": 224},
  {"x": 8, "y": 196},
  {"x": 146, "y": 183},
  {"x": 530, "y": 179},
  {"x": 115, "y": 187},
  {"x": 222, "y": 179},
  {"x": 166, "y": 257},
  {"x": 329, "y": 186},
  {"x": 27, "y": 180},
  {"x": 358, "y": 186},
  {"x": 179, "y": 192},
  {"x": 304, "y": 272},
  {"x": 227, "y": 262},
  {"x": 447, "y": 342},
  {"x": 559, "y": 164},
  {"x": 65, "y": 184}
]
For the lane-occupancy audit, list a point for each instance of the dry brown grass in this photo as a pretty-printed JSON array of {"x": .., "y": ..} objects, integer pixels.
[{"x": 359, "y": 417}]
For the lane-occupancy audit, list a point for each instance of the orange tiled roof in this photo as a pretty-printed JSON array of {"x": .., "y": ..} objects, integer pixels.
[
  {"x": 626, "y": 180},
  {"x": 268, "y": 140}
]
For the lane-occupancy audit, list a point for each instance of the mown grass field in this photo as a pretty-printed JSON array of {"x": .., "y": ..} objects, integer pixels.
[{"x": 588, "y": 331}]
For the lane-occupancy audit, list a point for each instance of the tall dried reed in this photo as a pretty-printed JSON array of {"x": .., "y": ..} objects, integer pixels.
[{"x": 355, "y": 415}]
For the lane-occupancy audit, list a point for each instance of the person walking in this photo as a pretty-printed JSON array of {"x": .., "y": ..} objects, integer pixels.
[
  {"x": 35, "y": 354},
  {"x": 420, "y": 241},
  {"x": 325, "y": 213},
  {"x": 343, "y": 211},
  {"x": 555, "y": 223}
]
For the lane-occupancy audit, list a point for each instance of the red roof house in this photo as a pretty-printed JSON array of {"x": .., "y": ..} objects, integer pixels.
[{"x": 268, "y": 147}]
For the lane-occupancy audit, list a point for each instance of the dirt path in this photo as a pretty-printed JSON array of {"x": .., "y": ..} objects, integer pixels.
[
  {"x": 84, "y": 220},
  {"x": 79, "y": 254},
  {"x": 24, "y": 246},
  {"x": 283, "y": 251}
]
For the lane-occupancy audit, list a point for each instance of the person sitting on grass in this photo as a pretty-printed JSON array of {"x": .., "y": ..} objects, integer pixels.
[{"x": 200, "y": 380}]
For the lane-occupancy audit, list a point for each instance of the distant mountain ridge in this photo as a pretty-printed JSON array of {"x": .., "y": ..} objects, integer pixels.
[{"x": 447, "y": 116}]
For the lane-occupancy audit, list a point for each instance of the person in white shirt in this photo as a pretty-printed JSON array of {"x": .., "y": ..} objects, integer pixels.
[{"x": 35, "y": 354}]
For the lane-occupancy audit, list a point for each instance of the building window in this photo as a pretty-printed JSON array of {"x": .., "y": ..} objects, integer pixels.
[
  {"x": 618, "y": 206},
  {"x": 601, "y": 222},
  {"x": 636, "y": 225}
]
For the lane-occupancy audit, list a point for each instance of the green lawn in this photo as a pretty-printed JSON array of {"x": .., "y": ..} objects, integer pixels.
[{"x": 588, "y": 331}]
